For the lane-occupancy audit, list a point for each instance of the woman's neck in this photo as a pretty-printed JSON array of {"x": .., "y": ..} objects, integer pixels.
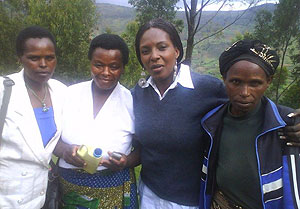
[
  {"x": 99, "y": 98},
  {"x": 102, "y": 92},
  {"x": 35, "y": 86},
  {"x": 163, "y": 85}
]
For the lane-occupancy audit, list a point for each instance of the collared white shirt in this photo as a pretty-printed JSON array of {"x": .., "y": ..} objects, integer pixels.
[
  {"x": 112, "y": 128},
  {"x": 183, "y": 77}
]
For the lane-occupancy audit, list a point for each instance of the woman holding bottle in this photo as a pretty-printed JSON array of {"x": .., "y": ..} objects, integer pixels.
[{"x": 99, "y": 114}]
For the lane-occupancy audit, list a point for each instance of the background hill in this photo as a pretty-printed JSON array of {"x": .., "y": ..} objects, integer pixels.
[
  {"x": 114, "y": 17},
  {"x": 205, "y": 55}
]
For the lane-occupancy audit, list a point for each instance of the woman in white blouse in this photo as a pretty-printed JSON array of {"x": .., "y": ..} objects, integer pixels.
[{"x": 99, "y": 113}]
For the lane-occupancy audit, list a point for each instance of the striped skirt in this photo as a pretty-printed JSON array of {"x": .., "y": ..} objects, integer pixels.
[{"x": 102, "y": 190}]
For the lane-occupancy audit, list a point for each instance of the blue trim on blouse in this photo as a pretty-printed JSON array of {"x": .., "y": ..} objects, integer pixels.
[{"x": 46, "y": 124}]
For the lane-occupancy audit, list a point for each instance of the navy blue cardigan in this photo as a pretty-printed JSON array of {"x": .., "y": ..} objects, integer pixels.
[{"x": 170, "y": 135}]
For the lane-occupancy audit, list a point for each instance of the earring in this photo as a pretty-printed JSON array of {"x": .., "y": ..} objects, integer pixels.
[
  {"x": 175, "y": 71},
  {"x": 142, "y": 81}
]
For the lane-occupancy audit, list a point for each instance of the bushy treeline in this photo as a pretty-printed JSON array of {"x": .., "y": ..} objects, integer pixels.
[
  {"x": 281, "y": 30},
  {"x": 71, "y": 22}
]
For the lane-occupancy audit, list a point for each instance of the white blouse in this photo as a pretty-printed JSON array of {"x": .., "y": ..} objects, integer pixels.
[{"x": 112, "y": 128}]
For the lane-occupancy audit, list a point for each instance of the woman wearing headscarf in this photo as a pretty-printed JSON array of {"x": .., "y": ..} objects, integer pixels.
[
  {"x": 32, "y": 124},
  {"x": 246, "y": 164},
  {"x": 99, "y": 113}
]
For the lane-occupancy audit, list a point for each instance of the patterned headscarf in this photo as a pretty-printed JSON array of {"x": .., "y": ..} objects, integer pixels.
[{"x": 250, "y": 50}]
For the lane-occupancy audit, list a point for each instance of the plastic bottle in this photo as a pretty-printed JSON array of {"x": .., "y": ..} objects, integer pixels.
[{"x": 91, "y": 156}]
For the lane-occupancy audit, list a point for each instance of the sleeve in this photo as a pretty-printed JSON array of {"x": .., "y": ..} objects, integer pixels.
[
  {"x": 291, "y": 176},
  {"x": 211, "y": 91},
  {"x": 291, "y": 165},
  {"x": 221, "y": 94}
]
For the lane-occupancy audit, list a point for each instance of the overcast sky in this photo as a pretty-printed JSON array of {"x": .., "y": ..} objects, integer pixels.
[{"x": 236, "y": 6}]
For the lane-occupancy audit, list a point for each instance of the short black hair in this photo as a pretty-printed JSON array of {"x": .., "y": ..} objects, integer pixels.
[
  {"x": 32, "y": 32},
  {"x": 162, "y": 25},
  {"x": 109, "y": 41}
]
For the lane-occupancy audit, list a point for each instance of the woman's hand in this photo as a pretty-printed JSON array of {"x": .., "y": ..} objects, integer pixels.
[
  {"x": 69, "y": 153},
  {"x": 71, "y": 157},
  {"x": 114, "y": 164},
  {"x": 292, "y": 133}
]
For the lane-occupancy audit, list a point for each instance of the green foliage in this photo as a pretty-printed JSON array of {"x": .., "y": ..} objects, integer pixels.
[
  {"x": 246, "y": 35},
  {"x": 150, "y": 9},
  {"x": 292, "y": 97},
  {"x": 281, "y": 78},
  {"x": 264, "y": 26},
  {"x": 280, "y": 30},
  {"x": 72, "y": 25},
  {"x": 10, "y": 22},
  {"x": 286, "y": 21},
  {"x": 71, "y": 22},
  {"x": 286, "y": 27},
  {"x": 133, "y": 69}
]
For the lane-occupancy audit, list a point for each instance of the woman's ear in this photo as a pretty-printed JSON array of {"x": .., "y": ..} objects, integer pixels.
[
  {"x": 224, "y": 78},
  {"x": 177, "y": 52}
]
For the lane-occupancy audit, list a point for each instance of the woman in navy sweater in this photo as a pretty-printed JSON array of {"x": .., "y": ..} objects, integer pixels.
[{"x": 168, "y": 108}]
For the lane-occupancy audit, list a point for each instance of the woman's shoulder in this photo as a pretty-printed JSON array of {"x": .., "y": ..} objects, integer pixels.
[
  {"x": 16, "y": 77},
  {"x": 124, "y": 93},
  {"x": 124, "y": 90},
  {"x": 200, "y": 79},
  {"x": 85, "y": 85},
  {"x": 56, "y": 84},
  {"x": 207, "y": 83},
  {"x": 204, "y": 79},
  {"x": 137, "y": 91}
]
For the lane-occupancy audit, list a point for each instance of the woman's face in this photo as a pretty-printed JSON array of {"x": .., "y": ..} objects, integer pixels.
[
  {"x": 38, "y": 59},
  {"x": 245, "y": 84},
  {"x": 158, "y": 54},
  {"x": 106, "y": 67}
]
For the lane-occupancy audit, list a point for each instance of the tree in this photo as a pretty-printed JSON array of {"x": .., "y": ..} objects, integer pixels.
[
  {"x": 194, "y": 19},
  {"x": 282, "y": 78},
  {"x": 292, "y": 96},
  {"x": 11, "y": 20},
  {"x": 133, "y": 69},
  {"x": 286, "y": 28},
  {"x": 71, "y": 23},
  {"x": 263, "y": 27},
  {"x": 150, "y": 9},
  {"x": 281, "y": 30}
]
